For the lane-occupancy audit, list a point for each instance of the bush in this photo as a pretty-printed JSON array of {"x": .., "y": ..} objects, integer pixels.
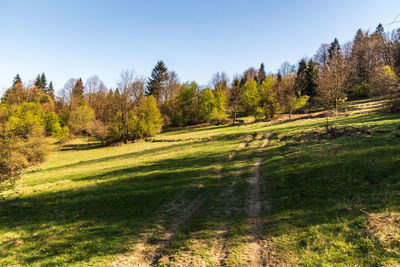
[
  {"x": 97, "y": 129},
  {"x": 28, "y": 117},
  {"x": 79, "y": 118},
  {"x": 144, "y": 121},
  {"x": 54, "y": 128}
]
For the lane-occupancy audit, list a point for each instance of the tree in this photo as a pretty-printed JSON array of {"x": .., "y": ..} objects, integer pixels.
[
  {"x": 17, "y": 80},
  {"x": 234, "y": 98},
  {"x": 261, "y": 74},
  {"x": 321, "y": 56},
  {"x": 53, "y": 126},
  {"x": 79, "y": 118},
  {"x": 187, "y": 110},
  {"x": 331, "y": 88},
  {"x": 41, "y": 82},
  {"x": 146, "y": 119},
  {"x": 301, "y": 77},
  {"x": 50, "y": 90},
  {"x": 157, "y": 82},
  {"x": 269, "y": 100},
  {"x": 207, "y": 105},
  {"x": 334, "y": 48},
  {"x": 379, "y": 29},
  {"x": 312, "y": 81},
  {"x": 220, "y": 81},
  {"x": 290, "y": 98},
  {"x": 251, "y": 99}
]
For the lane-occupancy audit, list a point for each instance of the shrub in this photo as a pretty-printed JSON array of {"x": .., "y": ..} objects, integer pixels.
[
  {"x": 79, "y": 117},
  {"x": 28, "y": 117},
  {"x": 54, "y": 128}
]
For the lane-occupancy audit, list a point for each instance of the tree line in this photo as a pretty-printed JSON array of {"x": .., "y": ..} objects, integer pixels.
[{"x": 368, "y": 66}]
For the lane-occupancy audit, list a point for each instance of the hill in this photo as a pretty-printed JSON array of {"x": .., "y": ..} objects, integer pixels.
[{"x": 262, "y": 193}]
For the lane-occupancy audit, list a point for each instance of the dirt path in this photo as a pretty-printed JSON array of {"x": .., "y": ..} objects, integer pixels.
[{"x": 258, "y": 249}]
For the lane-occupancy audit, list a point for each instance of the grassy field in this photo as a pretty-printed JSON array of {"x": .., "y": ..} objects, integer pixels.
[{"x": 266, "y": 193}]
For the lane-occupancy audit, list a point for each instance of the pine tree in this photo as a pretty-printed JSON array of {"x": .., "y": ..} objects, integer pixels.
[
  {"x": 16, "y": 80},
  {"x": 379, "y": 29},
  {"x": 301, "y": 80},
  {"x": 77, "y": 93},
  {"x": 38, "y": 81},
  {"x": 335, "y": 47},
  {"x": 157, "y": 81},
  {"x": 312, "y": 78},
  {"x": 261, "y": 74},
  {"x": 50, "y": 90},
  {"x": 43, "y": 81}
]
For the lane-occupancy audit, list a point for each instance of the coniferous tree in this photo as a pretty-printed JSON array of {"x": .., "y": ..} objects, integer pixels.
[
  {"x": 379, "y": 29},
  {"x": 50, "y": 90},
  {"x": 261, "y": 74},
  {"x": 157, "y": 81},
  {"x": 334, "y": 48},
  {"x": 312, "y": 79},
  {"x": 16, "y": 80},
  {"x": 301, "y": 79},
  {"x": 43, "y": 81}
]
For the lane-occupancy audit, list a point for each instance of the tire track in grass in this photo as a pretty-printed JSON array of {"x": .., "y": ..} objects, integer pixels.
[
  {"x": 253, "y": 249},
  {"x": 207, "y": 246}
]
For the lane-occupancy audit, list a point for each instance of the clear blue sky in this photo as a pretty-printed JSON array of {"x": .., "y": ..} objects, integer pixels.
[{"x": 68, "y": 39}]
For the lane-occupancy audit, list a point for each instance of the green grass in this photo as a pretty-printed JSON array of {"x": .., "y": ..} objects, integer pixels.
[{"x": 88, "y": 205}]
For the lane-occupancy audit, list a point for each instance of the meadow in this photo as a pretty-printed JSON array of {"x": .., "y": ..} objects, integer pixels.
[{"x": 296, "y": 192}]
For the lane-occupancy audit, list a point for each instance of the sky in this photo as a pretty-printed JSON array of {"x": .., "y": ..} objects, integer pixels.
[{"x": 72, "y": 39}]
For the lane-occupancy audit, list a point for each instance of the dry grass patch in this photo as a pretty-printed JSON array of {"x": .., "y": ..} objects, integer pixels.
[{"x": 386, "y": 229}]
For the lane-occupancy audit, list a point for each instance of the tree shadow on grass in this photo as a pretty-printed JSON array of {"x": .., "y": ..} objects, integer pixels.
[{"x": 78, "y": 225}]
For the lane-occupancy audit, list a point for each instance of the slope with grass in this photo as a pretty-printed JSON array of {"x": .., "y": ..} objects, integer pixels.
[{"x": 266, "y": 193}]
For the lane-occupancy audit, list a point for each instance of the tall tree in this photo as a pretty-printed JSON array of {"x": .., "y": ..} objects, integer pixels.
[
  {"x": 41, "y": 82},
  {"x": 16, "y": 80},
  {"x": 261, "y": 74},
  {"x": 301, "y": 79},
  {"x": 235, "y": 92},
  {"x": 334, "y": 48},
  {"x": 157, "y": 81},
  {"x": 312, "y": 79},
  {"x": 379, "y": 29},
  {"x": 50, "y": 90}
]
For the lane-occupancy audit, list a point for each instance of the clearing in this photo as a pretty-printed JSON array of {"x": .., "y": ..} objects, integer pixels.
[{"x": 261, "y": 194}]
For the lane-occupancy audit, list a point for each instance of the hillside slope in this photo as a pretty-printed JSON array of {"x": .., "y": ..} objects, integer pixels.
[{"x": 266, "y": 193}]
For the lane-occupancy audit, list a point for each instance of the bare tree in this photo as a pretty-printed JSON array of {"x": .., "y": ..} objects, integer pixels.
[
  {"x": 321, "y": 56},
  {"x": 287, "y": 68},
  {"x": 333, "y": 76},
  {"x": 220, "y": 81}
]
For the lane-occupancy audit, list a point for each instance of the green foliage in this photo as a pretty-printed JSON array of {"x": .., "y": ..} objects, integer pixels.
[
  {"x": 187, "y": 105},
  {"x": 251, "y": 99},
  {"x": 27, "y": 118},
  {"x": 360, "y": 92},
  {"x": 54, "y": 127},
  {"x": 144, "y": 121},
  {"x": 269, "y": 98},
  {"x": 157, "y": 81},
  {"x": 207, "y": 105},
  {"x": 79, "y": 117}
]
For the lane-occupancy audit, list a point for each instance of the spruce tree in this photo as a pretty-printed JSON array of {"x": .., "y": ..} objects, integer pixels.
[
  {"x": 50, "y": 90},
  {"x": 334, "y": 48},
  {"x": 157, "y": 81},
  {"x": 77, "y": 92},
  {"x": 312, "y": 78},
  {"x": 16, "y": 80},
  {"x": 379, "y": 29},
  {"x": 261, "y": 74},
  {"x": 43, "y": 81},
  {"x": 301, "y": 80}
]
